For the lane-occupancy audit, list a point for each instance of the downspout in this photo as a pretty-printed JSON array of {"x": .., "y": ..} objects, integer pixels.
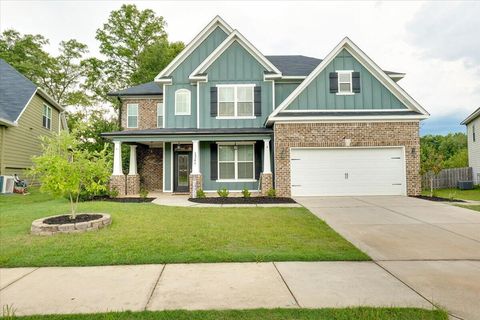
[{"x": 2, "y": 147}]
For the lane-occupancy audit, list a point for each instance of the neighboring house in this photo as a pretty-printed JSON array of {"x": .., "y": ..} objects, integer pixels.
[
  {"x": 26, "y": 113},
  {"x": 223, "y": 115},
  {"x": 473, "y": 137}
]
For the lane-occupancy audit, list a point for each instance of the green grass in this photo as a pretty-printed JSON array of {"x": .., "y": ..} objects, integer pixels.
[
  {"x": 264, "y": 314},
  {"x": 453, "y": 193},
  {"x": 148, "y": 233},
  {"x": 473, "y": 207}
]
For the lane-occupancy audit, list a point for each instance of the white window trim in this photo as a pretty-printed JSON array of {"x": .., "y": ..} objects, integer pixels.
[
  {"x": 235, "y": 161},
  {"x": 160, "y": 125},
  {"x": 345, "y": 93},
  {"x": 189, "y": 100},
  {"x": 136, "y": 115},
  {"x": 48, "y": 116},
  {"x": 235, "y": 101}
]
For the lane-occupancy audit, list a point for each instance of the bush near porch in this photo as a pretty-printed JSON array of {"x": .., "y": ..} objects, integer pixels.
[{"x": 148, "y": 233}]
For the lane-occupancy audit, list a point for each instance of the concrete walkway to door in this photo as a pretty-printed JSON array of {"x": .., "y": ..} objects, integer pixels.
[{"x": 433, "y": 248}]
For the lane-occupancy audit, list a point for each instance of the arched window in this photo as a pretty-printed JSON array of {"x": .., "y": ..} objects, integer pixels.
[{"x": 182, "y": 102}]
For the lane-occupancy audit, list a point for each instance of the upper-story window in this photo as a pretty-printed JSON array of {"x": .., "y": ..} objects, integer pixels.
[
  {"x": 132, "y": 115},
  {"x": 182, "y": 102},
  {"x": 160, "y": 115},
  {"x": 47, "y": 117},
  {"x": 236, "y": 101},
  {"x": 473, "y": 133},
  {"x": 345, "y": 82}
]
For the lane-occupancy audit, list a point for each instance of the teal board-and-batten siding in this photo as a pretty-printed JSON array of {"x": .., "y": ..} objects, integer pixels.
[
  {"x": 235, "y": 66},
  {"x": 373, "y": 94},
  {"x": 283, "y": 90}
]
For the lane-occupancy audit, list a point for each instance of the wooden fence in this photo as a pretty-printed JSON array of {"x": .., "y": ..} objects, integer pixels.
[{"x": 447, "y": 178}]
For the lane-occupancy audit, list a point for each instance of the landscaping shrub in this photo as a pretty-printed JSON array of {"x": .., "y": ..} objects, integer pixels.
[
  {"x": 272, "y": 193},
  {"x": 223, "y": 192},
  {"x": 143, "y": 192},
  {"x": 246, "y": 193},
  {"x": 201, "y": 194}
]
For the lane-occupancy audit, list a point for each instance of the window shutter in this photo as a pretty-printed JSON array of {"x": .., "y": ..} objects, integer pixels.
[
  {"x": 333, "y": 82},
  {"x": 257, "y": 98},
  {"x": 213, "y": 102},
  {"x": 213, "y": 161},
  {"x": 356, "y": 82},
  {"x": 258, "y": 159}
]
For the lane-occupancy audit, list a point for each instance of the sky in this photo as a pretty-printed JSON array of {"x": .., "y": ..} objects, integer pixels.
[{"x": 435, "y": 43}]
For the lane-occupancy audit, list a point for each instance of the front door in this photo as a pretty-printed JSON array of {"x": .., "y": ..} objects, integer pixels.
[{"x": 182, "y": 168}]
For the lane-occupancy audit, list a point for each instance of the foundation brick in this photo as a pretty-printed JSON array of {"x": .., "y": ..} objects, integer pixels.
[
  {"x": 266, "y": 183},
  {"x": 118, "y": 183},
  {"x": 133, "y": 184},
  {"x": 196, "y": 182}
]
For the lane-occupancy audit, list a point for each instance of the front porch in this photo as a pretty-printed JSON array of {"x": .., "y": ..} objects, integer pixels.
[{"x": 180, "y": 161}]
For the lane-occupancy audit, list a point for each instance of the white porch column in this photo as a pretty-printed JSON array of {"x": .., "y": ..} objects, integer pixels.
[
  {"x": 266, "y": 156},
  {"x": 133, "y": 160},
  {"x": 117, "y": 158},
  {"x": 196, "y": 157}
]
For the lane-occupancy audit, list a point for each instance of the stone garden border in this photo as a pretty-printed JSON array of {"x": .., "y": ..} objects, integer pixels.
[{"x": 43, "y": 229}]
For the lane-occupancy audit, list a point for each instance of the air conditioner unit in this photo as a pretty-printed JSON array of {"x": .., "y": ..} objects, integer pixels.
[
  {"x": 6, "y": 184},
  {"x": 465, "y": 185}
]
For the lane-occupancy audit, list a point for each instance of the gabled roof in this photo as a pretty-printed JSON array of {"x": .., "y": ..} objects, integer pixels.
[
  {"x": 216, "y": 22},
  {"x": 15, "y": 92},
  {"x": 235, "y": 36},
  {"x": 369, "y": 64},
  {"x": 144, "y": 89},
  {"x": 294, "y": 65},
  {"x": 475, "y": 114}
]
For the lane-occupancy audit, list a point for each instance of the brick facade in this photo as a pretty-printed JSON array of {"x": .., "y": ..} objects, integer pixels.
[
  {"x": 362, "y": 134},
  {"x": 133, "y": 184},
  {"x": 118, "y": 183},
  {"x": 266, "y": 183},
  {"x": 147, "y": 113},
  {"x": 150, "y": 167},
  {"x": 195, "y": 183}
]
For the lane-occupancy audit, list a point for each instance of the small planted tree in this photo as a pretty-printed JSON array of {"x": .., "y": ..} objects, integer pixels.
[
  {"x": 66, "y": 170},
  {"x": 432, "y": 164}
]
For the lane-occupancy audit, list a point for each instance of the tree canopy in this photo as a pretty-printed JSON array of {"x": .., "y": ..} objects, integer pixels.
[{"x": 452, "y": 148}]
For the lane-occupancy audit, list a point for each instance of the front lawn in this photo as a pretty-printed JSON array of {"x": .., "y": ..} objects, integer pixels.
[
  {"x": 265, "y": 314},
  {"x": 473, "y": 207},
  {"x": 453, "y": 193},
  {"x": 148, "y": 233}
]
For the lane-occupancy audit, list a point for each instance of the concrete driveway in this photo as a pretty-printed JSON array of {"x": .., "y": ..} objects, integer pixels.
[{"x": 434, "y": 248}]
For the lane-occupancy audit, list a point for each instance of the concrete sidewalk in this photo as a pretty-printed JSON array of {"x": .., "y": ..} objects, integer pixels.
[{"x": 203, "y": 286}]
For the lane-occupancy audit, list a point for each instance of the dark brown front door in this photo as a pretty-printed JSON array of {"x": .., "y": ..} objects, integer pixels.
[{"x": 182, "y": 168}]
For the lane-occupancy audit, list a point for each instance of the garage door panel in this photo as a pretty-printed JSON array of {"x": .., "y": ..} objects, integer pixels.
[{"x": 345, "y": 171}]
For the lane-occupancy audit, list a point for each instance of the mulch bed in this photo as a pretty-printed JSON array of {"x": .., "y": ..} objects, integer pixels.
[
  {"x": 241, "y": 200},
  {"x": 125, "y": 200},
  {"x": 438, "y": 199},
  {"x": 66, "y": 219}
]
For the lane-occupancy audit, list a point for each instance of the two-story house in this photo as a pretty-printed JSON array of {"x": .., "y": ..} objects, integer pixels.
[
  {"x": 26, "y": 113},
  {"x": 223, "y": 115},
  {"x": 473, "y": 142}
]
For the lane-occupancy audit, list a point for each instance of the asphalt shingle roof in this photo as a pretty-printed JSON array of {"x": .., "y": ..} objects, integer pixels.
[
  {"x": 15, "y": 91},
  {"x": 294, "y": 65},
  {"x": 144, "y": 89}
]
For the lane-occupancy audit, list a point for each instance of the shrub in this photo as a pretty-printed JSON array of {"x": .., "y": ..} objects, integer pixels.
[
  {"x": 113, "y": 192},
  {"x": 201, "y": 193},
  {"x": 143, "y": 192},
  {"x": 246, "y": 193},
  {"x": 223, "y": 192},
  {"x": 272, "y": 193}
]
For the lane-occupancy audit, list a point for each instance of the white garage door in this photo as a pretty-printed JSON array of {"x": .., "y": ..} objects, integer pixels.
[{"x": 347, "y": 171}]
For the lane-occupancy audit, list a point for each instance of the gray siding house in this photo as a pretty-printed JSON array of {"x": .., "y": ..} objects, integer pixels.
[
  {"x": 223, "y": 115},
  {"x": 473, "y": 139}
]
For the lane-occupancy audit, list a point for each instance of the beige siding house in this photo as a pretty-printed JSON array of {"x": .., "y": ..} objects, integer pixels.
[
  {"x": 26, "y": 114},
  {"x": 473, "y": 136}
]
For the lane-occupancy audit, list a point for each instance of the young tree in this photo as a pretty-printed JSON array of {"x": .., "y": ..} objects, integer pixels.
[
  {"x": 431, "y": 164},
  {"x": 66, "y": 170}
]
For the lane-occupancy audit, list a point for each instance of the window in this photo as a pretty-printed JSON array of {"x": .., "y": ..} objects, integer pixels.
[
  {"x": 160, "y": 115},
  {"x": 344, "y": 82},
  {"x": 473, "y": 133},
  {"x": 236, "y": 162},
  {"x": 235, "y": 101},
  {"x": 182, "y": 102},
  {"x": 47, "y": 117},
  {"x": 132, "y": 115}
]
